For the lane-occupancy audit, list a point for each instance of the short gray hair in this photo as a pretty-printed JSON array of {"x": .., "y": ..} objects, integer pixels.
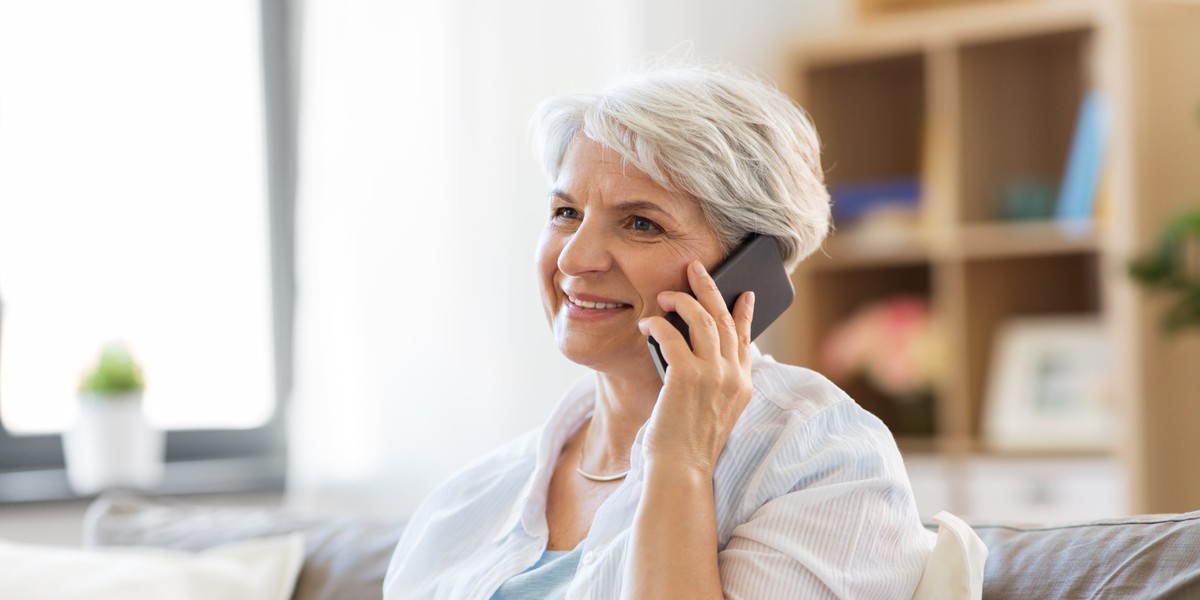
[{"x": 738, "y": 145}]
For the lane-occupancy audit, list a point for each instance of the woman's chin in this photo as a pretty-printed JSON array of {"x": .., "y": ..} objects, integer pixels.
[
  {"x": 632, "y": 357},
  {"x": 588, "y": 355}
]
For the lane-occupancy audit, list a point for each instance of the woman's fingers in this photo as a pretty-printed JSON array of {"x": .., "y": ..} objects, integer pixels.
[
  {"x": 743, "y": 317},
  {"x": 714, "y": 331},
  {"x": 710, "y": 298},
  {"x": 702, "y": 328},
  {"x": 670, "y": 340}
]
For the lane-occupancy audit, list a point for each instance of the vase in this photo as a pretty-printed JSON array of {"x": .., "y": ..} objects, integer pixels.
[
  {"x": 110, "y": 445},
  {"x": 916, "y": 415}
]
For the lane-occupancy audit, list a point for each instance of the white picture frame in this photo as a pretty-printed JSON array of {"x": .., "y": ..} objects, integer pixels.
[{"x": 1049, "y": 386}]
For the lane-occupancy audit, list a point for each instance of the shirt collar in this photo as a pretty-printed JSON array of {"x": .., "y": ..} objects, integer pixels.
[{"x": 568, "y": 415}]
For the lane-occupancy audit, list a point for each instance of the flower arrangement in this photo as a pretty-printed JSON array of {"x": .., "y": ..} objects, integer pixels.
[
  {"x": 895, "y": 344},
  {"x": 115, "y": 373}
]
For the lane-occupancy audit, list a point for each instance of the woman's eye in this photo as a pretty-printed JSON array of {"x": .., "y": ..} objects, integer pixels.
[
  {"x": 566, "y": 212},
  {"x": 643, "y": 224}
]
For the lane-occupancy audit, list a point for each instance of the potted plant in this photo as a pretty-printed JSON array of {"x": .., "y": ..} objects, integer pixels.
[
  {"x": 1174, "y": 267},
  {"x": 110, "y": 444}
]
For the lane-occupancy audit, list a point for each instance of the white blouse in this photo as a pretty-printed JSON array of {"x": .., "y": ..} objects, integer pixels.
[{"x": 812, "y": 501}]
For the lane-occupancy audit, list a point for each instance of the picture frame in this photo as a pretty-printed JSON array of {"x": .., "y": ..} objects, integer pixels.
[{"x": 1049, "y": 386}]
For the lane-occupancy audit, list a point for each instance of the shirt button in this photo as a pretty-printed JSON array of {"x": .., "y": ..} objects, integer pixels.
[{"x": 589, "y": 557}]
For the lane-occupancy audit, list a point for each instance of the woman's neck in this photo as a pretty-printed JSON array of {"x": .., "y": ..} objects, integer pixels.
[{"x": 623, "y": 405}]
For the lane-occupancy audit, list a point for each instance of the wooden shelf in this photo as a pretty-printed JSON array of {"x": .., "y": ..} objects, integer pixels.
[
  {"x": 972, "y": 447},
  {"x": 853, "y": 249},
  {"x": 951, "y": 27},
  {"x": 981, "y": 448},
  {"x": 979, "y": 103},
  {"x": 1007, "y": 240}
]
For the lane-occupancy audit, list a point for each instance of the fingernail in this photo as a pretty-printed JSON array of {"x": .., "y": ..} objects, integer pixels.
[
  {"x": 697, "y": 268},
  {"x": 642, "y": 327},
  {"x": 750, "y": 299}
]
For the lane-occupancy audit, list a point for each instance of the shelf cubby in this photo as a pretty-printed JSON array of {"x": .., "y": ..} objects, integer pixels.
[
  {"x": 869, "y": 115},
  {"x": 1019, "y": 99},
  {"x": 1001, "y": 289}
]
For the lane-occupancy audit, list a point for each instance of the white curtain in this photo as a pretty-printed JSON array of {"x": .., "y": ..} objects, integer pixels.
[
  {"x": 420, "y": 337},
  {"x": 421, "y": 341}
]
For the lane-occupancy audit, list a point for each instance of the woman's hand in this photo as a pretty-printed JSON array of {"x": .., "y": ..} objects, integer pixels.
[
  {"x": 673, "y": 551},
  {"x": 706, "y": 386}
]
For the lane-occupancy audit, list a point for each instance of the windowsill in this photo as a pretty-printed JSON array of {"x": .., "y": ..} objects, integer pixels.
[{"x": 233, "y": 475}]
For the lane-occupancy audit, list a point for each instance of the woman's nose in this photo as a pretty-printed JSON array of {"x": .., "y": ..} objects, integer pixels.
[{"x": 585, "y": 251}]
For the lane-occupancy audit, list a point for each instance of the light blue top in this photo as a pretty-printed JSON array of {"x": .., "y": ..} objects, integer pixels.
[{"x": 548, "y": 578}]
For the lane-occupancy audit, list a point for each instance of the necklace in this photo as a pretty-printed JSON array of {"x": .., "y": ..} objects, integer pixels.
[{"x": 593, "y": 476}]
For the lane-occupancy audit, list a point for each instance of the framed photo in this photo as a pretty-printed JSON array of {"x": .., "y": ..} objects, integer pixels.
[{"x": 1049, "y": 386}]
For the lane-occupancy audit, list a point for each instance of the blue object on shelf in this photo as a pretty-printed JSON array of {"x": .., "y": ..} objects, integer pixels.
[
  {"x": 856, "y": 199},
  {"x": 1077, "y": 194},
  {"x": 1027, "y": 199}
]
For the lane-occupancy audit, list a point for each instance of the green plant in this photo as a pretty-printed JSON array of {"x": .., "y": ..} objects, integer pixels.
[
  {"x": 1174, "y": 266},
  {"x": 115, "y": 373}
]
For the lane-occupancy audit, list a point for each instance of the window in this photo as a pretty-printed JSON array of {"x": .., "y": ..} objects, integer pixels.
[{"x": 133, "y": 206}]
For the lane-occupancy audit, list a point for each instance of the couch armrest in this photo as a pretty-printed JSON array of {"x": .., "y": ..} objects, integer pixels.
[{"x": 1148, "y": 556}]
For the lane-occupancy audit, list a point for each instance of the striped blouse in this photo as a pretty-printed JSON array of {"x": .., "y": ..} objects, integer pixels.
[{"x": 812, "y": 501}]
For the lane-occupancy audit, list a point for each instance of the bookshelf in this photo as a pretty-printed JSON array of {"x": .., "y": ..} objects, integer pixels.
[{"x": 972, "y": 102}]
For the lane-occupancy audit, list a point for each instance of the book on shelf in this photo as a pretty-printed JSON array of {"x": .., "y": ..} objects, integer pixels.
[
  {"x": 855, "y": 200},
  {"x": 881, "y": 213},
  {"x": 1077, "y": 193}
]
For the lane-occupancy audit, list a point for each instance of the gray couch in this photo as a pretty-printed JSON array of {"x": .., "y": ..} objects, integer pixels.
[{"x": 1153, "y": 556}]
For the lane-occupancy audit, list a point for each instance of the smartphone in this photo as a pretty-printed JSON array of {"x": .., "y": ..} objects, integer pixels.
[{"x": 755, "y": 266}]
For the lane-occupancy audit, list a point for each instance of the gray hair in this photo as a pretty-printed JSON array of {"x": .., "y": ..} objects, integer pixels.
[{"x": 743, "y": 149}]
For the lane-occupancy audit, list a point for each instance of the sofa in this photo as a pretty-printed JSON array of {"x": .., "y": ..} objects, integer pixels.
[{"x": 1149, "y": 556}]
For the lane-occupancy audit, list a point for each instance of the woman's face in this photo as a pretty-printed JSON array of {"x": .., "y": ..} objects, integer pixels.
[{"x": 613, "y": 240}]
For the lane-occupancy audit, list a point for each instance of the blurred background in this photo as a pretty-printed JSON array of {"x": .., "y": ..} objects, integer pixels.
[{"x": 312, "y": 224}]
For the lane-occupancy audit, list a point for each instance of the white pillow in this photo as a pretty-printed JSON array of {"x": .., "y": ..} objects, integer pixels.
[
  {"x": 262, "y": 569},
  {"x": 954, "y": 570}
]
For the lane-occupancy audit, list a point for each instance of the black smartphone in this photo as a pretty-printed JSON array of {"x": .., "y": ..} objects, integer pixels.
[{"x": 755, "y": 266}]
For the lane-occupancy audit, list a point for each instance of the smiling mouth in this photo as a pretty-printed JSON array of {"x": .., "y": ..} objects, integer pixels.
[{"x": 594, "y": 305}]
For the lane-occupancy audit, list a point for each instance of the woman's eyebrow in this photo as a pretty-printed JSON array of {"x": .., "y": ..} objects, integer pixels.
[
  {"x": 637, "y": 206},
  {"x": 561, "y": 195}
]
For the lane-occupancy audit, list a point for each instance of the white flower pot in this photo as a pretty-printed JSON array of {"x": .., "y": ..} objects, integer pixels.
[{"x": 110, "y": 445}]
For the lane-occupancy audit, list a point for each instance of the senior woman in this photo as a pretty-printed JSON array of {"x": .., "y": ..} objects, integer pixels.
[{"x": 732, "y": 476}]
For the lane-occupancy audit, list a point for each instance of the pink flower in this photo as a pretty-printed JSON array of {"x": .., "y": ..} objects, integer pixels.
[{"x": 894, "y": 343}]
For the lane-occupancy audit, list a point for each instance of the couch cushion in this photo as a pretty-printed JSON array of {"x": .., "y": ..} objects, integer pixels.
[
  {"x": 345, "y": 557},
  {"x": 1150, "y": 556},
  {"x": 263, "y": 569},
  {"x": 954, "y": 570}
]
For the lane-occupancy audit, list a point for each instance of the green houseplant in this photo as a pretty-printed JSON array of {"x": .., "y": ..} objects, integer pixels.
[
  {"x": 110, "y": 444},
  {"x": 115, "y": 374},
  {"x": 1174, "y": 267}
]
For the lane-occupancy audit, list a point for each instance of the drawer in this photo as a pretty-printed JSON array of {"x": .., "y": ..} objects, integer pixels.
[{"x": 1044, "y": 490}]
